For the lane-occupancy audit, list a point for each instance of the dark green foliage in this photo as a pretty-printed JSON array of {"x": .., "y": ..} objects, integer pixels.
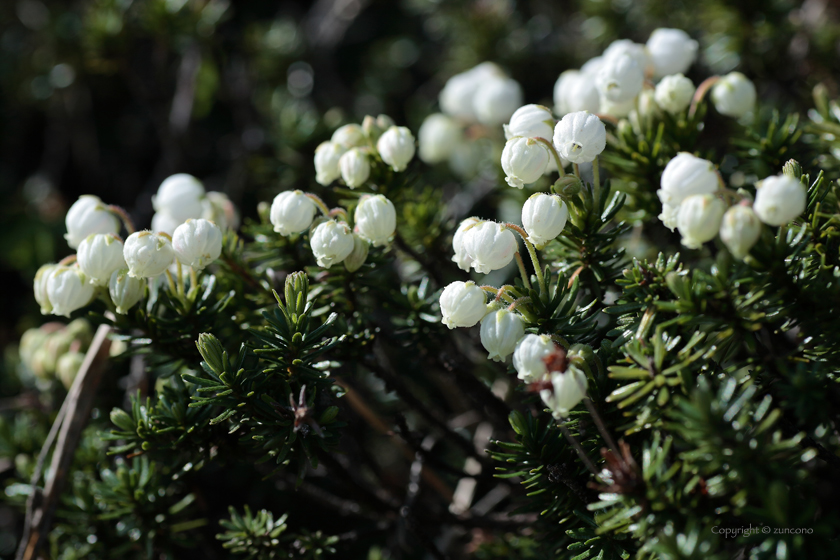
[{"x": 261, "y": 537}]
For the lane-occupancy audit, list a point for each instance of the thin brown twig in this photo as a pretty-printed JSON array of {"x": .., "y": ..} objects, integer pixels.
[{"x": 68, "y": 427}]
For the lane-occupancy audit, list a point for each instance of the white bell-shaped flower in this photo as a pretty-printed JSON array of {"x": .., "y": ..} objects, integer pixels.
[
  {"x": 376, "y": 219},
  {"x": 461, "y": 258},
  {"x": 355, "y": 167},
  {"x": 181, "y": 196},
  {"x": 779, "y": 199},
  {"x": 396, "y": 147},
  {"x": 331, "y": 243},
  {"x": 620, "y": 79},
  {"x": 674, "y": 93},
  {"x": 531, "y": 121},
  {"x": 699, "y": 219},
  {"x": 68, "y": 289},
  {"x": 327, "y": 155},
  {"x": 490, "y": 246},
  {"x": 496, "y": 101},
  {"x": 220, "y": 210},
  {"x": 500, "y": 331},
  {"x": 197, "y": 243},
  {"x": 685, "y": 175},
  {"x": 568, "y": 389},
  {"x": 99, "y": 255},
  {"x": 739, "y": 230},
  {"x": 358, "y": 256},
  {"x": 86, "y": 216},
  {"x": 672, "y": 51},
  {"x": 438, "y": 137},
  {"x": 544, "y": 216},
  {"x": 524, "y": 160},
  {"x": 579, "y": 137},
  {"x": 619, "y": 110},
  {"x": 125, "y": 290},
  {"x": 40, "y": 287},
  {"x": 163, "y": 222},
  {"x": 462, "y": 304},
  {"x": 576, "y": 91},
  {"x": 292, "y": 212},
  {"x": 457, "y": 98},
  {"x": 734, "y": 95},
  {"x": 147, "y": 254},
  {"x": 349, "y": 136},
  {"x": 529, "y": 356},
  {"x": 636, "y": 51}
]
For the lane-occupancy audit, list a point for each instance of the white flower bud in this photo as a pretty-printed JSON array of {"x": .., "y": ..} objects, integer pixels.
[
  {"x": 292, "y": 212},
  {"x": 396, "y": 146},
  {"x": 734, "y": 95},
  {"x": 376, "y": 219},
  {"x": 672, "y": 51},
  {"x": 462, "y": 304},
  {"x": 197, "y": 243},
  {"x": 544, "y": 217},
  {"x": 163, "y": 222},
  {"x": 355, "y": 167},
  {"x": 461, "y": 258},
  {"x": 684, "y": 175},
  {"x": 699, "y": 219},
  {"x": 99, "y": 255},
  {"x": 779, "y": 199},
  {"x": 68, "y": 290},
  {"x": 125, "y": 290},
  {"x": 437, "y": 138},
  {"x": 500, "y": 331},
  {"x": 524, "y": 160},
  {"x": 331, "y": 243},
  {"x": 88, "y": 215},
  {"x": 576, "y": 91},
  {"x": 67, "y": 367},
  {"x": 674, "y": 93},
  {"x": 219, "y": 209},
  {"x": 490, "y": 246},
  {"x": 739, "y": 230},
  {"x": 457, "y": 98},
  {"x": 181, "y": 196},
  {"x": 568, "y": 389},
  {"x": 529, "y": 356},
  {"x": 579, "y": 137},
  {"x": 619, "y": 110},
  {"x": 327, "y": 155},
  {"x": 592, "y": 66},
  {"x": 147, "y": 254},
  {"x": 40, "y": 287},
  {"x": 531, "y": 121},
  {"x": 620, "y": 79},
  {"x": 646, "y": 105},
  {"x": 349, "y": 136},
  {"x": 636, "y": 51},
  {"x": 358, "y": 255},
  {"x": 496, "y": 100}
]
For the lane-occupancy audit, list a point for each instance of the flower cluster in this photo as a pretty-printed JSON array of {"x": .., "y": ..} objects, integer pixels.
[
  {"x": 694, "y": 201},
  {"x": 483, "y": 96},
  {"x": 354, "y": 148},
  {"x": 534, "y": 140},
  {"x": 104, "y": 264},
  {"x": 55, "y": 350},
  {"x": 182, "y": 197},
  {"x": 622, "y": 80}
]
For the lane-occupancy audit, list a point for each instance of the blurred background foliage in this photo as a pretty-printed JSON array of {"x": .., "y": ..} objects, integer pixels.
[{"x": 108, "y": 97}]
